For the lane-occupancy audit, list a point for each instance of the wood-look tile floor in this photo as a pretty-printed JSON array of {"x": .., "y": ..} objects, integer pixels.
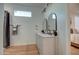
[
  {"x": 74, "y": 51},
  {"x": 30, "y": 50},
  {"x": 21, "y": 50}
]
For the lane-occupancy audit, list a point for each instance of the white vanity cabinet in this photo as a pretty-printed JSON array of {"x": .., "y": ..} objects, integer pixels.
[{"x": 45, "y": 44}]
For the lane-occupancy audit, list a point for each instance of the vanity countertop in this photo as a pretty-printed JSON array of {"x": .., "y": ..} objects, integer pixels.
[{"x": 44, "y": 35}]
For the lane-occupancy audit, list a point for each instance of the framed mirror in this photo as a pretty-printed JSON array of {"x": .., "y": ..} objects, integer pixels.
[{"x": 52, "y": 21}]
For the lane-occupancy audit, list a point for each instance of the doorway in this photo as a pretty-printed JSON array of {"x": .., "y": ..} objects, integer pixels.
[
  {"x": 74, "y": 33},
  {"x": 6, "y": 29}
]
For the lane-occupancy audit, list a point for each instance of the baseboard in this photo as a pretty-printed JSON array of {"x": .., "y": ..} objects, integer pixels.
[
  {"x": 23, "y": 45},
  {"x": 75, "y": 45}
]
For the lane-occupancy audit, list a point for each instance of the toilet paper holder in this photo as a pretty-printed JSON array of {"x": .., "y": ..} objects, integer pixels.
[{"x": 15, "y": 29}]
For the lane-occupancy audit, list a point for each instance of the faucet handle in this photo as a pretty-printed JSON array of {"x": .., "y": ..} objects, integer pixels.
[{"x": 55, "y": 32}]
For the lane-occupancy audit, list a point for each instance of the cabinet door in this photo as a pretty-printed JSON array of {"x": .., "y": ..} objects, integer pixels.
[{"x": 49, "y": 46}]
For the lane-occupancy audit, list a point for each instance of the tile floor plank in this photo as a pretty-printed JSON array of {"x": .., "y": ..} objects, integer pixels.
[
  {"x": 74, "y": 51},
  {"x": 21, "y": 50}
]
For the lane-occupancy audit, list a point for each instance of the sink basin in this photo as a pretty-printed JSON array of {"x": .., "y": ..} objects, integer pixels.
[
  {"x": 45, "y": 35},
  {"x": 47, "y": 32}
]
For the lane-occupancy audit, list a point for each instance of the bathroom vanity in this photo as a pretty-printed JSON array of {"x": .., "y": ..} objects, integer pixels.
[
  {"x": 45, "y": 44},
  {"x": 46, "y": 39}
]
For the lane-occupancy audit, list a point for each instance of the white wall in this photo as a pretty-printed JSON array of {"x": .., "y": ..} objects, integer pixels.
[
  {"x": 26, "y": 34},
  {"x": 61, "y": 11},
  {"x": 1, "y": 27}
]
